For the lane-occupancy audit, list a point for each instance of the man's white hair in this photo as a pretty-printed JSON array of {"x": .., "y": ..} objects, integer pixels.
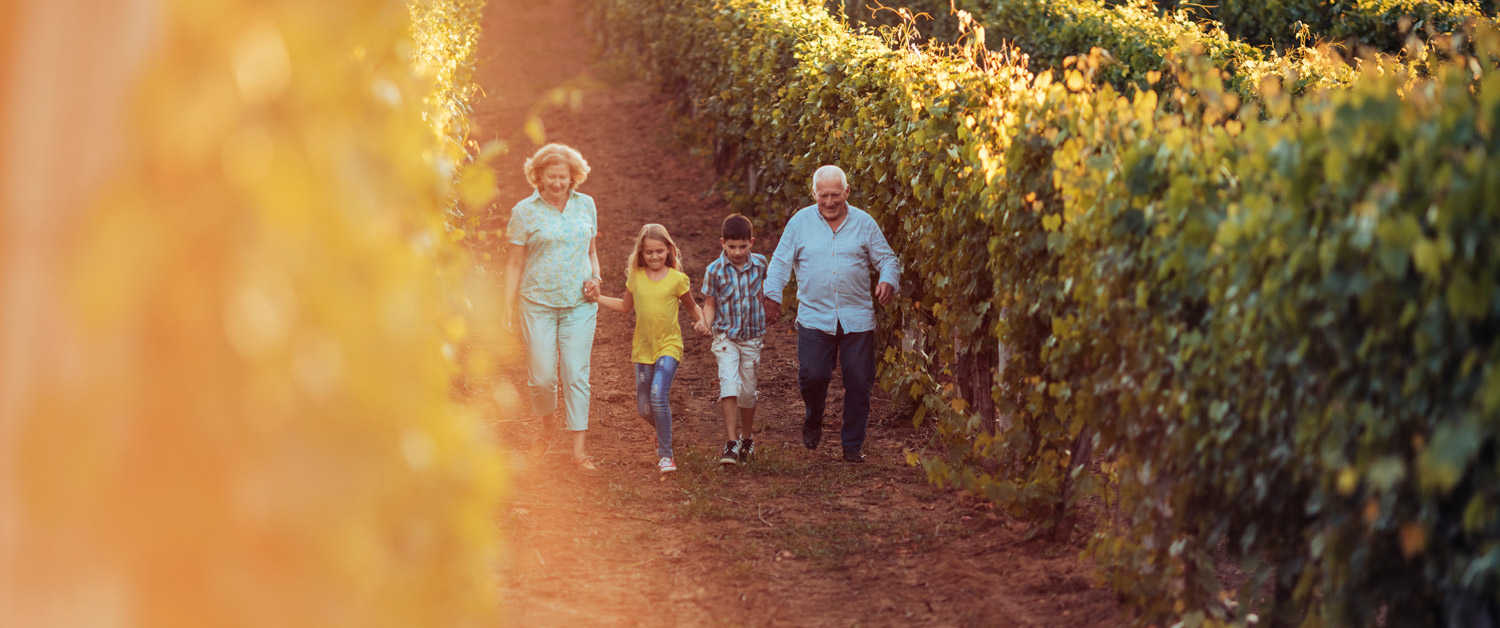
[{"x": 829, "y": 172}]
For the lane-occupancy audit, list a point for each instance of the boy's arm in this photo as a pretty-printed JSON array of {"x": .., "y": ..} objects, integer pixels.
[
  {"x": 692, "y": 305},
  {"x": 710, "y": 311},
  {"x": 618, "y": 304}
]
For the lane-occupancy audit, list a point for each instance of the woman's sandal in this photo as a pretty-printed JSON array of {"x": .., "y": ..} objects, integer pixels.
[{"x": 585, "y": 463}]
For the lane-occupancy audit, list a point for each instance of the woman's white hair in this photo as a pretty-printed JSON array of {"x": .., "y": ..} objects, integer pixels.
[{"x": 829, "y": 172}]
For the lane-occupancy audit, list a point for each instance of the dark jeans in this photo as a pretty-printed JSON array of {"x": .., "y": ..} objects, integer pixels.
[
  {"x": 855, "y": 353},
  {"x": 653, "y": 384}
]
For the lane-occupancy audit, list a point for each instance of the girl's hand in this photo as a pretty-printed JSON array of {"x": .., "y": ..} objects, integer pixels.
[{"x": 702, "y": 328}]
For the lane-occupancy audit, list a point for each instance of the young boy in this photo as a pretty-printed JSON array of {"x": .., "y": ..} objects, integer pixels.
[{"x": 733, "y": 312}]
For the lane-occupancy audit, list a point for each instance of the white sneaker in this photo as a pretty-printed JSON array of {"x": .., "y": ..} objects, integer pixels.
[{"x": 666, "y": 465}]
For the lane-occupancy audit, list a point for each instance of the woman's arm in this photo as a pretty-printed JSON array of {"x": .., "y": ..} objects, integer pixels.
[
  {"x": 509, "y": 297},
  {"x": 618, "y": 304},
  {"x": 591, "y": 287}
]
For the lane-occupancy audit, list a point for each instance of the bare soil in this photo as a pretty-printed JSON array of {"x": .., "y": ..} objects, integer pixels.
[{"x": 797, "y": 537}]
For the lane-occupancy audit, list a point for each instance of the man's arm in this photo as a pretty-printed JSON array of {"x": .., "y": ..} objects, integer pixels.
[
  {"x": 779, "y": 272},
  {"x": 884, "y": 259}
]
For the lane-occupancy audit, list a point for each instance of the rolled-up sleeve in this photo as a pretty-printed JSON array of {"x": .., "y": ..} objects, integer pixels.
[
  {"x": 883, "y": 258},
  {"x": 779, "y": 271}
]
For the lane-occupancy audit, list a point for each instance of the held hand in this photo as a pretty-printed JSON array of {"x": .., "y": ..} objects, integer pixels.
[
  {"x": 773, "y": 310},
  {"x": 591, "y": 290},
  {"x": 885, "y": 293},
  {"x": 702, "y": 328}
]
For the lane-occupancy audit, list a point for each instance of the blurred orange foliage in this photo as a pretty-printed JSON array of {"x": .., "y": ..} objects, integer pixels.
[{"x": 229, "y": 310}]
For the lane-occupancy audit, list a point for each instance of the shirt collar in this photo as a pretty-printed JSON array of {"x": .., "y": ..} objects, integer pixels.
[
  {"x": 536, "y": 197},
  {"x": 750, "y": 263}
]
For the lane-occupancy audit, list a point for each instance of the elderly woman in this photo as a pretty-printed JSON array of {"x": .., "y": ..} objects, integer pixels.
[{"x": 554, "y": 269}]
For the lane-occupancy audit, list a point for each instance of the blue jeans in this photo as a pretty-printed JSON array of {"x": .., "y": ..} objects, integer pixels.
[
  {"x": 855, "y": 353},
  {"x": 653, "y": 384},
  {"x": 559, "y": 336}
]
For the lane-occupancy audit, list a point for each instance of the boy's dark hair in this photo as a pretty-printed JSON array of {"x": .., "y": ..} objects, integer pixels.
[{"x": 737, "y": 227}]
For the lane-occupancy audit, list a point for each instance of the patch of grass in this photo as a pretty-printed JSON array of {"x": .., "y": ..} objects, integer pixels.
[
  {"x": 774, "y": 462},
  {"x": 826, "y": 541}
]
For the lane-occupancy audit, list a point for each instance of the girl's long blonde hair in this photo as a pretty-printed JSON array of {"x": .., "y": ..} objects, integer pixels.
[{"x": 658, "y": 233}]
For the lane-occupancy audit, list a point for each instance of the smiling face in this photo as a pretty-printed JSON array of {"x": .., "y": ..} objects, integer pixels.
[
  {"x": 654, "y": 253},
  {"x": 738, "y": 251},
  {"x": 831, "y": 195},
  {"x": 557, "y": 179}
]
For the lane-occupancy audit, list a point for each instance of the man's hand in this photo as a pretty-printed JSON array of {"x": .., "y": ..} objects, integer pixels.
[
  {"x": 885, "y": 293},
  {"x": 773, "y": 310}
]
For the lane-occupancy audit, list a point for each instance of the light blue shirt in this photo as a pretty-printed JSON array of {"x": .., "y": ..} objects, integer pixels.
[{"x": 832, "y": 269}]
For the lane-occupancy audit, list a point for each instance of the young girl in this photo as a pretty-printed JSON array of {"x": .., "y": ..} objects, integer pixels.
[{"x": 655, "y": 284}]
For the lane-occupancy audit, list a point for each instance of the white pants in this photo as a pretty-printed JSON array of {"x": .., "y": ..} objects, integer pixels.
[{"x": 738, "y": 362}]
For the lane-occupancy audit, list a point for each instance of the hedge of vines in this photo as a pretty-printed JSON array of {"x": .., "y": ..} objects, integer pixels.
[
  {"x": 1138, "y": 37},
  {"x": 1382, "y": 24},
  {"x": 1273, "y": 335}
]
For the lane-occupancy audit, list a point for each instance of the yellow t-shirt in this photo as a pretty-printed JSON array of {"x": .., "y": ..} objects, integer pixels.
[{"x": 656, "y": 330}]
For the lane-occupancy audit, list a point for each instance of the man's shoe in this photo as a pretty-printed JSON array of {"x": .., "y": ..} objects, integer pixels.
[
  {"x": 731, "y": 453},
  {"x": 854, "y": 455},
  {"x": 811, "y": 434},
  {"x": 747, "y": 449}
]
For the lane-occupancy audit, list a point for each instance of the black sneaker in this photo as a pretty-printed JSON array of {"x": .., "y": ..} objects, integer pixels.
[
  {"x": 811, "y": 434},
  {"x": 854, "y": 455},
  {"x": 747, "y": 449},
  {"x": 731, "y": 453}
]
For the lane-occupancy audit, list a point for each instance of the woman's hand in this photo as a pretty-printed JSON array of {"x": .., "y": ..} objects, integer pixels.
[{"x": 591, "y": 290}]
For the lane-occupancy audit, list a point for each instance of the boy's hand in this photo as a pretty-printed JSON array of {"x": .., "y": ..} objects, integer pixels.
[{"x": 773, "y": 310}]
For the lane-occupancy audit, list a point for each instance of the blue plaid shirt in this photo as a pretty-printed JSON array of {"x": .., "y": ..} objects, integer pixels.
[{"x": 738, "y": 313}]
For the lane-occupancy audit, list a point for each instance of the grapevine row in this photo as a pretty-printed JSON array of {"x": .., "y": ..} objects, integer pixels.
[{"x": 1271, "y": 333}]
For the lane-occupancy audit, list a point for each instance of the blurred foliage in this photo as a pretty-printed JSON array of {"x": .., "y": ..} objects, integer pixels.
[
  {"x": 261, "y": 430},
  {"x": 1257, "y": 325}
]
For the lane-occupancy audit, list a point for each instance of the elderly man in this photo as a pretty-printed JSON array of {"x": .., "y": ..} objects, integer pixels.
[{"x": 831, "y": 247}]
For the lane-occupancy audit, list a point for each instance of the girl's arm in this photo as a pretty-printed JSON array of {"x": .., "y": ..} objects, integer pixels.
[
  {"x": 692, "y": 305},
  {"x": 618, "y": 304}
]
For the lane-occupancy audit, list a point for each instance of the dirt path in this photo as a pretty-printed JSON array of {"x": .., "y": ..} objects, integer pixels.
[{"x": 798, "y": 538}]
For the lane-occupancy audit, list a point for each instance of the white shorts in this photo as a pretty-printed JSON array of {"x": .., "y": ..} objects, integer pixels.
[{"x": 738, "y": 362}]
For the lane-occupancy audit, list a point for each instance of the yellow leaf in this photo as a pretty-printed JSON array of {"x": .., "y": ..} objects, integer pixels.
[
  {"x": 476, "y": 185},
  {"x": 1413, "y": 539},
  {"x": 1075, "y": 81},
  {"x": 535, "y": 131},
  {"x": 1348, "y": 481}
]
